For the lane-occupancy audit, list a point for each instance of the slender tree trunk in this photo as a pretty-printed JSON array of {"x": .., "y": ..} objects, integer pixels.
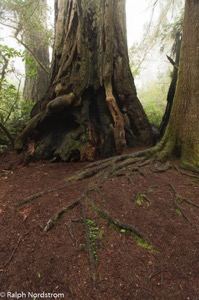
[
  {"x": 182, "y": 134},
  {"x": 91, "y": 107},
  {"x": 37, "y": 74},
  {"x": 36, "y": 84},
  {"x": 172, "y": 87}
]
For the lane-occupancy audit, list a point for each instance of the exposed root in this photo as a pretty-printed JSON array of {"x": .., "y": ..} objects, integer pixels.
[
  {"x": 141, "y": 198},
  {"x": 103, "y": 170},
  {"x": 38, "y": 195},
  {"x": 186, "y": 173},
  {"x": 123, "y": 166},
  {"x": 89, "y": 248},
  {"x": 182, "y": 199},
  {"x": 87, "y": 173},
  {"x": 120, "y": 225},
  {"x": 70, "y": 229},
  {"x": 13, "y": 253},
  {"x": 146, "y": 162},
  {"x": 110, "y": 163},
  {"x": 116, "y": 159},
  {"x": 51, "y": 222},
  {"x": 125, "y": 173},
  {"x": 100, "y": 193},
  {"x": 165, "y": 168},
  {"x": 190, "y": 167},
  {"x": 94, "y": 169},
  {"x": 179, "y": 200}
]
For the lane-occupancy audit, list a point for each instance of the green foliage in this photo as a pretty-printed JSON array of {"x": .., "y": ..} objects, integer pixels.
[
  {"x": 168, "y": 33},
  {"x": 153, "y": 98},
  {"x": 27, "y": 18},
  {"x": 136, "y": 59},
  {"x": 31, "y": 65},
  {"x": 8, "y": 53},
  {"x": 154, "y": 111},
  {"x": 160, "y": 33},
  {"x": 14, "y": 111}
]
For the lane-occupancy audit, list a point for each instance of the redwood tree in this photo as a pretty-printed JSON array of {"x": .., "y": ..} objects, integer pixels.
[
  {"x": 181, "y": 138},
  {"x": 91, "y": 107},
  {"x": 36, "y": 43},
  {"x": 28, "y": 21}
]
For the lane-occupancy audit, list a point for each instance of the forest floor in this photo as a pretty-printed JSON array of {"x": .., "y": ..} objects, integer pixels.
[{"x": 130, "y": 236}]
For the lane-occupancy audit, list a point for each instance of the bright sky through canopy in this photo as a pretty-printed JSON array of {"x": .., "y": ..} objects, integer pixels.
[
  {"x": 136, "y": 12},
  {"x": 136, "y": 17}
]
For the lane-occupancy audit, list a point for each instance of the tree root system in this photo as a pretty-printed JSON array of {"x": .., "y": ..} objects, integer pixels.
[
  {"x": 178, "y": 201},
  {"x": 102, "y": 172}
]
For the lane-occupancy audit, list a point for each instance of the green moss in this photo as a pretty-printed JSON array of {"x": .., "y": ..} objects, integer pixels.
[
  {"x": 178, "y": 212},
  {"x": 56, "y": 217},
  {"x": 190, "y": 155},
  {"x": 141, "y": 199},
  {"x": 143, "y": 244},
  {"x": 93, "y": 236},
  {"x": 140, "y": 242}
]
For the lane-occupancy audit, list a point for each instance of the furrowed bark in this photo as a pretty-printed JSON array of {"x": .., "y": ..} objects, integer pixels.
[{"x": 91, "y": 108}]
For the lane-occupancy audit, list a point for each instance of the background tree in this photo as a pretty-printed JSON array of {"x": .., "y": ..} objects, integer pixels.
[
  {"x": 181, "y": 137},
  {"x": 11, "y": 107},
  {"x": 159, "y": 33},
  {"x": 91, "y": 107},
  {"x": 28, "y": 20},
  {"x": 172, "y": 87},
  {"x": 37, "y": 71},
  {"x": 161, "y": 38}
]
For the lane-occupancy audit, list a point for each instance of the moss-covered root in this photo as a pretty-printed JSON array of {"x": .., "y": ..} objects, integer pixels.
[
  {"x": 171, "y": 146},
  {"x": 51, "y": 222},
  {"x": 177, "y": 203}
]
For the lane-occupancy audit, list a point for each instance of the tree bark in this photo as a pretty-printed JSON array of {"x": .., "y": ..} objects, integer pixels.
[
  {"x": 181, "y": 137},
  {"x": 91, "y": 107},
  {"x": 35, "y": 85},
  {"x": 172, "y": 87}
]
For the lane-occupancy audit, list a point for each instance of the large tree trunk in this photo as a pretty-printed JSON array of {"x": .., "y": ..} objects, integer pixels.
[
  {"x": 37, "y": 51},
  {"x": 182, "y": 134},
  {"x": 91, "y": 107}
]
